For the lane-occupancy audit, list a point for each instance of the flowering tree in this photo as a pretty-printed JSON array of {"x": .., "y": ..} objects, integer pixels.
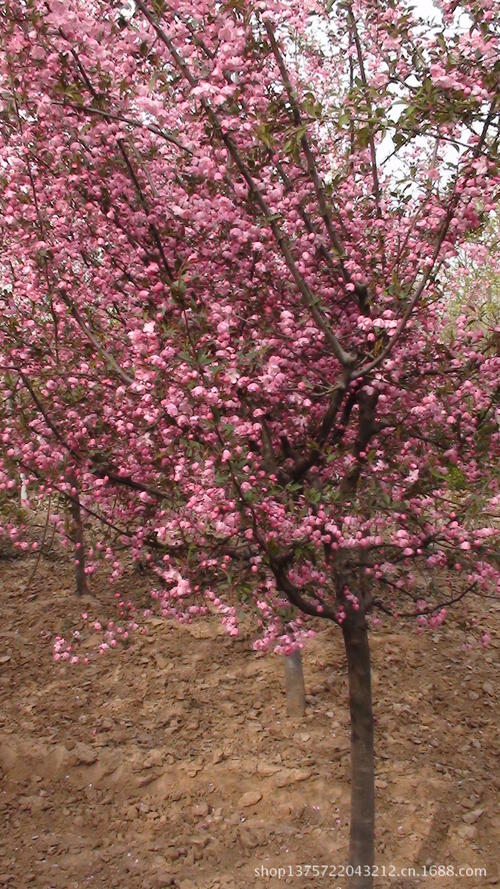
[{"x": 227, "y": 236}]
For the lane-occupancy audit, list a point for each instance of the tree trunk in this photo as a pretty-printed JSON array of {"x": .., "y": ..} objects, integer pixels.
[
  {"x": 294, "y": 685},
  {"x": 24, "y": 493},
  {"x": 361, "y": 841},
  {"x": 77, "y": 535}
]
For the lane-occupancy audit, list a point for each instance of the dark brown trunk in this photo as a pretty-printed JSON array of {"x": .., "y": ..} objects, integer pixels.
[
  {"x": 78, "y": 540},
  {"x": 361, "y": 841},
  {"x": 294, "y": 685}
]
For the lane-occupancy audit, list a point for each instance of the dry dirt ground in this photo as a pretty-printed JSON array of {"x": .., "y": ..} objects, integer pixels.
[{"x": 173, "y": 763}]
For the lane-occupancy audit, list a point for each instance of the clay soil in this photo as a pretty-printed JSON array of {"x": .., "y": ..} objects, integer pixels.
[{"x": 173, "y": 763}]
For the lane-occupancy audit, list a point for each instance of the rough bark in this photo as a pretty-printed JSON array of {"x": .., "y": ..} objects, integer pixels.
[
  {"x": 78, "y": 540},
  {"x": 361, "y": 841}
]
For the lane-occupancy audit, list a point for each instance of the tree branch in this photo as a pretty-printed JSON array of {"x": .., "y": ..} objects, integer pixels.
[{"x": 308, "y": 299}]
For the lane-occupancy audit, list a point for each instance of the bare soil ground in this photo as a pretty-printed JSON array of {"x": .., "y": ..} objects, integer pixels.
[{"x": 173, "y": 763}]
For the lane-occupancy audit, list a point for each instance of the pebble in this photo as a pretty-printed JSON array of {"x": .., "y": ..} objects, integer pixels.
[
  {"x": 200, "y": 841},
  {"x": 251, "y": 798},
  {"x": 131, "y": 813},
  {"x": 266, "y": 769},
  {"x": 472, "y": 817},
  {"x": 291, "y": 776},
  {"x": 200, "y": 810},
  {"x": 218, "y": 756},
  {"x": 250, "y": 839},
  {"x": 154, "y": 758},
  {"x": 84, "y": 754}
]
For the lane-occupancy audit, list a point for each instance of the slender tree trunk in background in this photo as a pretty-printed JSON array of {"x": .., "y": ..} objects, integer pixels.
[
  {"x": 294, "y": 684},
  {"x": 78, "y": 540},
  {"x": 24, "y": 492},
  {"x": 361, "y": 841}
]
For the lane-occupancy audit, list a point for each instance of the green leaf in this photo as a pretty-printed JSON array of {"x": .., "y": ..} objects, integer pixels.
[
  {"x": 456, "y": 478},
  {"x": 363, "y": 137},
  {"x": 265, "y": 135}
]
